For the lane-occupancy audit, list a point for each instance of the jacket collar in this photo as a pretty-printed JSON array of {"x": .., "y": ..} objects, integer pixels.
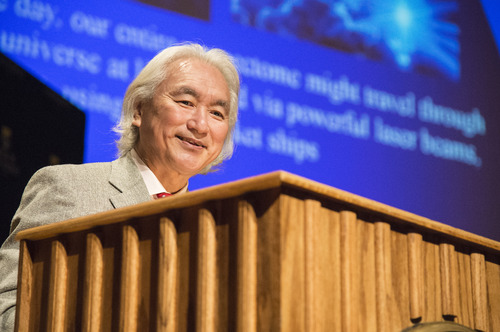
[{"x": 126, "y": 178}]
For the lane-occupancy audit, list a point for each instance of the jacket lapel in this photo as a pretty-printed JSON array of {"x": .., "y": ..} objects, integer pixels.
[{"x": 127, "y": 179}]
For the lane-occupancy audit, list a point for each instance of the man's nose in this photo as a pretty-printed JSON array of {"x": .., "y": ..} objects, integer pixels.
[{"x": 199, "y": 120}]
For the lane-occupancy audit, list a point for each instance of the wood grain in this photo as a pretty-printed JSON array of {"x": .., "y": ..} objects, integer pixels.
[
  {"x": 93, "y": 285},
  {"x": 493, "y": 283},
  {"x": 466, "y": 311},
  {"x": 167, "y": 314},
  {"x": 449, "y": 282},
  {"x": 247, "y": 268},
  {"x": 416, "y": 275},
  {"x": 206, "y": 300},
  {"x": 367, "y": 315},
  {"x": 479, "y": 291},
  {"x": 24, "y": 293},
  {"x": 292, "y": 257},
  {"x": 383, "y": 275},
  {"x": 348, "y": 253},
  {"x": 399, "y": 287},
  {"x": 56, "y": 318},
  {"x": 313, "y": 256},
  {"x": 131, "y": 267}
]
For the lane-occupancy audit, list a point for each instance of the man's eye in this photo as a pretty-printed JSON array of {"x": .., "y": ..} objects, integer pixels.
[
  {"x": 218, "y": 114},
  {"x": 185, "y": 102}
]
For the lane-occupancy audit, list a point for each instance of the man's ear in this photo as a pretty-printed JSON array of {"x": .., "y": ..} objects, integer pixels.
[{"x": 138, "y": 115}]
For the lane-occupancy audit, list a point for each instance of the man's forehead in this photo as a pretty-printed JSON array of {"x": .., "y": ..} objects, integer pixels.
[
  {"x": 184, "y": 89},
  {"x": 185, "y": 64}
]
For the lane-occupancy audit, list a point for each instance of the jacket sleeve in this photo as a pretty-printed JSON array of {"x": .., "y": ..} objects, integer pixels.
[{"x": 47, "y": 198}]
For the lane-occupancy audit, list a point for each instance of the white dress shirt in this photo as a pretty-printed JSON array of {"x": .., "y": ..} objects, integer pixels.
[{"x": 152, "y": 183}]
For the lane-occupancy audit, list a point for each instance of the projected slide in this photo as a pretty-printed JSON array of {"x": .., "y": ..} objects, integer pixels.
[{"x": 397, "y": 101}]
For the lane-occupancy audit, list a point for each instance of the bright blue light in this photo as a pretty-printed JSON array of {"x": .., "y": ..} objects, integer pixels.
[
  {"x": 403, "y": 16},
  {"x": 418, "y": 29},
  {"x": 411, "y": 29},
  {"x": 412, "y": 33}
]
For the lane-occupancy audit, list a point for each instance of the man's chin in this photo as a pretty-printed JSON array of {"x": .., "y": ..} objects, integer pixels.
[{"x": 191, "y": 168}]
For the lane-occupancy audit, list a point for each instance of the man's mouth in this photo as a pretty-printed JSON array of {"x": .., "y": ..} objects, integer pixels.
[{"x": 191, "y": 141}]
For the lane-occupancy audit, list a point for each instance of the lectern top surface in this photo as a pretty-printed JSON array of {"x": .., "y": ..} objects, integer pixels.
[{"x": 277, "y": 179}]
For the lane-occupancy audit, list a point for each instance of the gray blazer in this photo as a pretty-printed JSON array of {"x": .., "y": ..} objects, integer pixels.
[{"x": 57, "y": 193}]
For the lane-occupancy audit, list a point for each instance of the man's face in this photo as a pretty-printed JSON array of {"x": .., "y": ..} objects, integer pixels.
[{"x": 184, "y": 127}]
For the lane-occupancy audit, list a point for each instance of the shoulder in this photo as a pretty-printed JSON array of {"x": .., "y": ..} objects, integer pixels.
[
  {"x": 57, "y": 192},
  {"x": 70, "y": 172},
  {"x": 60, "y": 180},
  {"x": 72, "y": 169}
]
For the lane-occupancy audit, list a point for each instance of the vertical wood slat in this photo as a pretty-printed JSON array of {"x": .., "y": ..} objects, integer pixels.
[
  {"x": 367, "y": 280},
  {"x": 383, "y": 274},
  {"x": 415, "y": 271},
  {"x": 92, "y": 297},
  {"x": 493, "y": 289},
  {"x": 129, "y": 291},
  {"x": 56, "y": 316},
  {"x": 335, "y": 303},
  {"x": 247, "y": 268},
  {"x": 449, "y": 279},
  {"x": 432, "y": 283},
  {"x": 398, "y": 283},
  {"x": 313, "y": 322},
  {"x": 347, "y": 253},
  {"x": 25, "y": 291},
  {"x": 466, "y": 310},
  {"x": 167, "y": 314},
  {"x": 291, "y": 311},
  {"x": 206, "y": 301},
  {"x": 479, "y": 292}
]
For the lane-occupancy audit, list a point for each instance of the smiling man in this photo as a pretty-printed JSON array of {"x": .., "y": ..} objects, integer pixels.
[
  {"x": 183, "y": 128},
  {"x": 177, "y": 121}
]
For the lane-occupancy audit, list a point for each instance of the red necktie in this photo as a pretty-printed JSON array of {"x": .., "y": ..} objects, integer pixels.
[{"x": 161, "y": 195}]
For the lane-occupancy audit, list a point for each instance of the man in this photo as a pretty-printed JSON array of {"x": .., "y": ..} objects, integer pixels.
[{"x": 177, "y": 121}]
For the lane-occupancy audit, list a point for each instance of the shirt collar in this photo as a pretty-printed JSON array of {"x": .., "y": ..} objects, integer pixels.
[{"x": 152, "y": 183}]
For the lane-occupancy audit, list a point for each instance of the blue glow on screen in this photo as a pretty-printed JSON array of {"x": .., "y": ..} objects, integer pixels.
[
  {"x": 412, "y": 34},
  {"x": 392, "y": 100}
]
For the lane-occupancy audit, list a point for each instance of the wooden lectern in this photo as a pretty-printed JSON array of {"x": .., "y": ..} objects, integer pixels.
[{"x": 275, "y": 252}]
